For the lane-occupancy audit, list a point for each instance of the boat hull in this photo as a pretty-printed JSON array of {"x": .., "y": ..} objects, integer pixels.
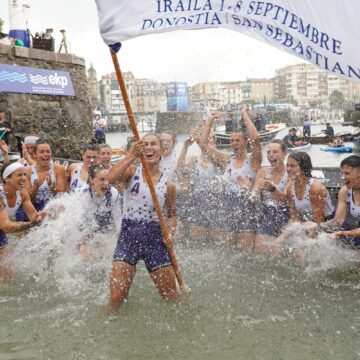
[
  {"x": 223, "y": 139},
  {"x": 340, "y": 149},
  {"x": 300, "y": 148}
]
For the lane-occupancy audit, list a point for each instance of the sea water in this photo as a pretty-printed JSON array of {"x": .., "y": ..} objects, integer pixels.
[{"x": 238, "y": 305}]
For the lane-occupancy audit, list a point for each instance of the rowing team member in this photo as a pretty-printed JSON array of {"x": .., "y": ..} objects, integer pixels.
[
  {"x": 308, "y": 200},
  {"x": 345, "y": 226},
  {"x": 101, "y": 206},
  {"x": 12, "y": 196},
  {"x": 198, "y": 180},
  {"x": 240, "y": 169},
  {"x": 141, "y": 235}
]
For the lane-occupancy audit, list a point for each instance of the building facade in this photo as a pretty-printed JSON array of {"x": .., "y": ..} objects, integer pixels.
[{"x": 308, "y": 85}]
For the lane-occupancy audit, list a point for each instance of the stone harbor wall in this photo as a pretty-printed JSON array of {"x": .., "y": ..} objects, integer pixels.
[{"x": 66, "y": 122}]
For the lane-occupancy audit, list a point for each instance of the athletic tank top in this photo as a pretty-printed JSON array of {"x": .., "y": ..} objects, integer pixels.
[
  {"x": 168, "y": 166},
  {"x": 11, "y": 210},
  {"x": 201, "y": 172},
  {"x": 353, "y": 209},
  {"x": 304, "y": 207},
  {"x": 138, "y": 204},
  {"x": 245, "y": 170},
  {"x": 44, "y": 193},
  {"x": 75, "y": 181},
  {"x": 266, "y": 196},
  {"x": 103, "y": 208}
]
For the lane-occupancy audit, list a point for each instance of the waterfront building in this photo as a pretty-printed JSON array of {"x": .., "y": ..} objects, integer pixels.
[{"x": 308, "y": 85}]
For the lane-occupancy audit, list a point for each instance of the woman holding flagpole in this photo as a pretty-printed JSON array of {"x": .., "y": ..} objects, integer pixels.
[{"x": 141, "y": 236}]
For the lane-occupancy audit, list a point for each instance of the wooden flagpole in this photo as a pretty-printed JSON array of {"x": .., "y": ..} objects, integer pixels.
[{"x": 146, "y": 169}]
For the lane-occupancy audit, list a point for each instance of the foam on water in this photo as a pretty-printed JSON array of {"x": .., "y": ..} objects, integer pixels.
[
  {"x": 49, "y": 252},
  {"x": 239, "y": 305},
  {"x": 322, "y": 253}
]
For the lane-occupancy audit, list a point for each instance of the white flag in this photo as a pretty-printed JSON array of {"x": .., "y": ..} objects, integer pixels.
[{"x": 323, "y": 32}]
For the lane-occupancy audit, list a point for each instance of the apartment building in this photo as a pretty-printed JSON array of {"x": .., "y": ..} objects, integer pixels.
[
  {"x": 110, "y": 94},
  {"x": 309, "y": 85}
]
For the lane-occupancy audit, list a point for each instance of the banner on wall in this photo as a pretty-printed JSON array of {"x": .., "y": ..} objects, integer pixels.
[
  {"x": 21, "y": 79},
  {"x": 323, "y": 32}
]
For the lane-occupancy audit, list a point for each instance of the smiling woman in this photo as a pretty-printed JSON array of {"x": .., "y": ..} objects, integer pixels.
[
  {"x": 12, "y": 196},
  {"x": 141, "y": 236},
  {"x": 44, "y": 179}
]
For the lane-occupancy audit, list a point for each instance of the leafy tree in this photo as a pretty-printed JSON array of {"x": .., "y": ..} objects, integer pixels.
[
  {"x": 248, "y": 101},
  {"x": 1, "y": 24},
  {"x": 315, "y": 103},
  {"x": 337, "y": 99}
]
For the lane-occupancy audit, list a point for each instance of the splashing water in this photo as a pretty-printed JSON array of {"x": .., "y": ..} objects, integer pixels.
[{"x": 239, "y": 306}]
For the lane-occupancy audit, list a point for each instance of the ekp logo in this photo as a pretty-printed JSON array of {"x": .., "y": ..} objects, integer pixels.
[{"x": 53, "y": 79}]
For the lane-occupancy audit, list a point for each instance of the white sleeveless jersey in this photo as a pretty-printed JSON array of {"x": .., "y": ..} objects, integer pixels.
[
  {"x": 204, "y": 173},
  {"x": 75, "y": 181},
  {"x": 168, "y": 166},
  {"x": 44, "y": 193},
  {"x": 266, "y": 196},
  {"x": 138, "y": 204},
  {"x": 245, "y": 170},
  {"x": 100, "y": 206},
  {"x": 304, "y": 207},
  {"x": 204, "y": 179},
  {"x": 354, "y": 209},
  {"x": 11, "y": 210}
]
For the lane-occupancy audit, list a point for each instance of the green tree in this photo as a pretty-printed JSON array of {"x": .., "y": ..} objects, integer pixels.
[
  {"x": 1, "y": 24},
  {"x": 337, "y": 99}
]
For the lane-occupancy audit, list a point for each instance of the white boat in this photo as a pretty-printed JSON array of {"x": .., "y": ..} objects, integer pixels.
[{"x": 223, "y": 139}]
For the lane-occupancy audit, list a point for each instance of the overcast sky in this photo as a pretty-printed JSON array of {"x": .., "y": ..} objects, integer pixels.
[{"x": 191, "y": 56}]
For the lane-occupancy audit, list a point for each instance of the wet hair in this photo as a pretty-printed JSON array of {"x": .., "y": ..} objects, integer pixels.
[
  {"x": 172, "y": 134},
  {"x": 2, "y": 171},
  {"x": 352, "y": 160},
  {"x": 104, "y": 146},
  {"x": 40, "y": 142},
  {"x": 158, "y": 136},
  {"x": 91, "y": 147},
  {"x": 94, "y": 169},
  {"x": 281, "y": 143},
  {"x": 304, "y": 161}
]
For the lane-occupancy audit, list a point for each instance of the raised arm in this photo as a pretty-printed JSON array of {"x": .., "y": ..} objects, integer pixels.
[
  {"x": 256, "y": 150},
  {"x": 122, "y": 170},
  {"x": 181, "y": 164},
  {"x": 206, "y": 131}
]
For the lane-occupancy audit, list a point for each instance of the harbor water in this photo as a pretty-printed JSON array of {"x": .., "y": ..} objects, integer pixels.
[{"x": 238, "y": 306}]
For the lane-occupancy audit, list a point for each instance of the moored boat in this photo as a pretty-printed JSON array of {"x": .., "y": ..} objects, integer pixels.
[
  {"x": 223, "y": 139},
  {"x": 338, "y": 149},
  {"x": 323, "y": 139},
  {"x": 300, "y": 148}
]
